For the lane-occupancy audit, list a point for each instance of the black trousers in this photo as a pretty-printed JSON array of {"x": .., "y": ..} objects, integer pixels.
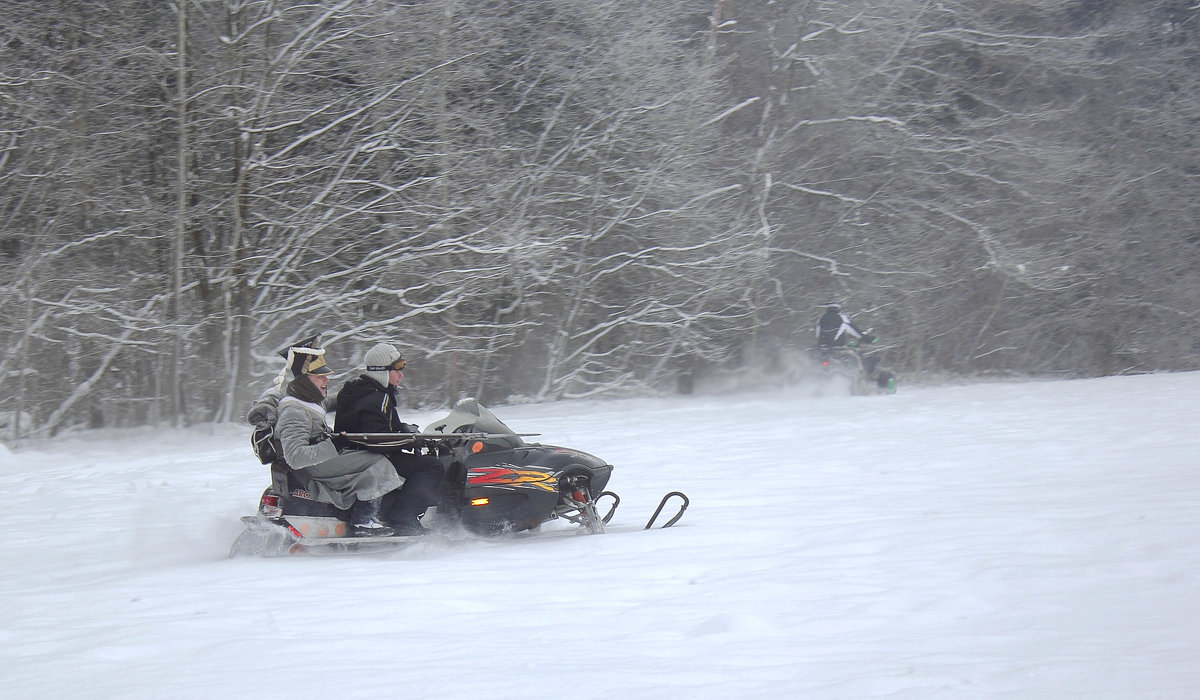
[{"x": 422, "y": 487}]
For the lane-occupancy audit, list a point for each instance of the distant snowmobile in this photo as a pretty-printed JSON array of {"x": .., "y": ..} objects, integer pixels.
[
  {"x": 853, "y": 366},
  {"x": 495, "y": 483}
]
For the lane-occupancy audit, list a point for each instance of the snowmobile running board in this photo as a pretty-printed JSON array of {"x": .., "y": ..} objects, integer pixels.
[{"x": 256, "y": 521}]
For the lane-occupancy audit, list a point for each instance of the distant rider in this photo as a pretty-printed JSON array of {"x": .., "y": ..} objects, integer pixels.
[
  {"x": 835, "y": 330},
  {"x": 834, "y": 326},
  {"x": 368, "y": 404}
]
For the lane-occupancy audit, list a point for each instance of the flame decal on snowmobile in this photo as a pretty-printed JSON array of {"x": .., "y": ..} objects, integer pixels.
[{"x": 512, "y": 476}]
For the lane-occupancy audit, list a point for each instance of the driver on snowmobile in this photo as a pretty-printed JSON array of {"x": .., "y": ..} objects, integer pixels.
[
  {"x": 833, "y": 326},
  {"x": 368, "y": 404}
]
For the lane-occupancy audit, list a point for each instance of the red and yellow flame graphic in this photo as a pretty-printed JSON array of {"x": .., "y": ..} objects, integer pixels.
[{"x": 514, "y": 477}]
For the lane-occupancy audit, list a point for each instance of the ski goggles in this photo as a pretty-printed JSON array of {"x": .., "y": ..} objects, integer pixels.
[{"x": 397, "y": 366}]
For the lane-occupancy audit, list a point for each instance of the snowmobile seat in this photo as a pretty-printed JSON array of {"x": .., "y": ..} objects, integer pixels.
[
  {"x": 294, "y": 490},
  {"x": 285, "y": 480},
  {"x": 281, "y": 476}
]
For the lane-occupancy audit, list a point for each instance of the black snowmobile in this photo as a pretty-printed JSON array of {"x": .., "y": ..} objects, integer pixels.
[
  {"x": 495, "y": 483},
  {"x": 854, "y": 366}
]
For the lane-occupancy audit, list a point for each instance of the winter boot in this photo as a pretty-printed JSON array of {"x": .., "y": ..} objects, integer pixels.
[
  {"x": 408, "y": 527},
  {"x": 404, "y": 516},
  {"x": 364, "y": 520}
]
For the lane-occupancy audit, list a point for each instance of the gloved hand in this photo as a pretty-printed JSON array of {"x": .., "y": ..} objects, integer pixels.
[
  {"x": 420, "y": 444},
  {"x": 261, "y": 413},
  {"x": 868, "y": 339}
]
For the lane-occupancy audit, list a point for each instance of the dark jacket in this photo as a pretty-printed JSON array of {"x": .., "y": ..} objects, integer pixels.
[
  {"x": 365, "y": 407},
  {"x": 833, "y": 327}
]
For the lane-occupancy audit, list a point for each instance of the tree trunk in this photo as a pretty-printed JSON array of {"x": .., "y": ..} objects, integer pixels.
[{"x": 177, "y": 359}]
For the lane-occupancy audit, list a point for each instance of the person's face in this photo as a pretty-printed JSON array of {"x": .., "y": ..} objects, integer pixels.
[
  {"x": 395, "y": 376},
  {"x": 321, "y": 381}
]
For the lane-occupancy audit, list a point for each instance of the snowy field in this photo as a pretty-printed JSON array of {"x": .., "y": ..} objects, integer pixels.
[{"x": 1000, "y": 540}]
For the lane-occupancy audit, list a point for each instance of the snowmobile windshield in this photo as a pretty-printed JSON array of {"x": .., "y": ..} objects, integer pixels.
[{"x": 468, "y": 416}]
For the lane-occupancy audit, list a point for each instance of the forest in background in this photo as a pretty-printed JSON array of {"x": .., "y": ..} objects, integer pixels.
[{"x": 546, "y": 199}]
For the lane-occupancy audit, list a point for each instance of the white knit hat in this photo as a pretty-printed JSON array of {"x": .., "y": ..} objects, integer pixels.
[{"x": 381, "y": 358}]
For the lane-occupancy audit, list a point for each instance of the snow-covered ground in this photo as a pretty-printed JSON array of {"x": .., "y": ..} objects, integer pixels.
[{"x": 1000, "y": 540}]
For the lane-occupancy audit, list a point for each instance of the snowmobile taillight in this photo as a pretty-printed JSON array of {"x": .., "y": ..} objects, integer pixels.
[
  {"x": 577, "y": 495},
  {"x": 477, "y": 447},
  {"x": 269, "y": 506},
  {"x": 824, "y": 363},
  {"x": 480, "y": 501}
]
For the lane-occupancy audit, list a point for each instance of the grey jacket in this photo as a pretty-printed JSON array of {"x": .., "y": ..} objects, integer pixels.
[
  {"x": 303, "y": 433},
  {"x": 265, "y": 409}
]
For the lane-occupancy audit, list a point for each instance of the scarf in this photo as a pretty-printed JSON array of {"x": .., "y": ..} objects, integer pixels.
[{"x": 303, "y": 389}]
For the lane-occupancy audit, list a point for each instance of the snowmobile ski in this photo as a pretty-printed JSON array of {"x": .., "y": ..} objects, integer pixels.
[{"x": 663, "y": 503}]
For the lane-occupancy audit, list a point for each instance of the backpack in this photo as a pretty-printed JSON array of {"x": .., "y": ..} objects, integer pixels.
[{"x": 264, "y": 444}]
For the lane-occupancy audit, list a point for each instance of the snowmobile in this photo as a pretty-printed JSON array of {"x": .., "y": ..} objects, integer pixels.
[
  {"x": 495, "y": 483},
  {"x": 850, "y": 364}
]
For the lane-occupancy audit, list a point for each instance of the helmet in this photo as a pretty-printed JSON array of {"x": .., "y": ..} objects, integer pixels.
[{"x": 306, "y": 357}]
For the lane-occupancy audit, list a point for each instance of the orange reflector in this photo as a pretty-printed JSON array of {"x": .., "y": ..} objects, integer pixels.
[
  {"x": 476, "y": 447},
  {"x": 479, "y": 501}
]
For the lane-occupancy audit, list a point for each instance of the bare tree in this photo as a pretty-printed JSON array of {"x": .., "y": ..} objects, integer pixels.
[
  {"x": 930, "y": 162},
  {"x": 567, "y": 198},
  {"x": 77, "y": 153}
]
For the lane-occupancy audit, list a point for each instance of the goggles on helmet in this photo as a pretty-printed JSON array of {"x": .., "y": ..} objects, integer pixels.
[{"x": 397, "y": 365}]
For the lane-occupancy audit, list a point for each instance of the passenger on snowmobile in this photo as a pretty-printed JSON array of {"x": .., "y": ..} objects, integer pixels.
[
  {"x": 353, "y": 480},
  {"x": 368, "y": 404}
]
